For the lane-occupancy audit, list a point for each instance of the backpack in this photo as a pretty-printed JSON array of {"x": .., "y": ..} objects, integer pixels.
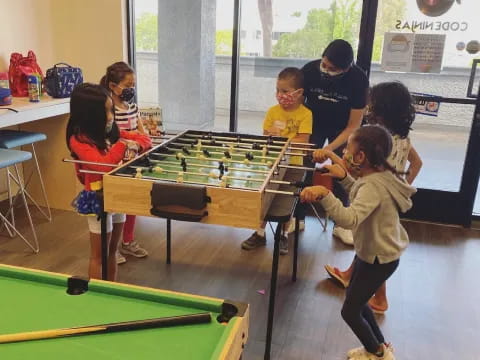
[
  {"x": 20, "y": 67},
  {"x": 60, "y": 80}
]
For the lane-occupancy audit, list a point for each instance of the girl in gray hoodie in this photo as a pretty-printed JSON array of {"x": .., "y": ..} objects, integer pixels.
[{"x": 377, "y": 194}]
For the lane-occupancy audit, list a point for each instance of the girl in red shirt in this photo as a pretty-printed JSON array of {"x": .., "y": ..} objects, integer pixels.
[{"x": 93, "y": 136}]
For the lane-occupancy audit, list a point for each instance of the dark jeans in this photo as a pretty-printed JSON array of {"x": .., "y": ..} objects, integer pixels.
[
  {"x": 365, "y": 281},
  {"x": 338, "y": 189}
]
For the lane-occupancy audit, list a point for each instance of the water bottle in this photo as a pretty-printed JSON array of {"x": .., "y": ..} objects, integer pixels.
[{"x": 33, "y": 88}]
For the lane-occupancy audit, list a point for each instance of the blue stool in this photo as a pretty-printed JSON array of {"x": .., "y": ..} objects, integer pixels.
[
  {"x": 10, "y": 139},
  {"x": 10, "y": 158}
]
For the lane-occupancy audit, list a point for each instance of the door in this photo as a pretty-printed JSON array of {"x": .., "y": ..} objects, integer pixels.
[{"x": 431, "y": 47}]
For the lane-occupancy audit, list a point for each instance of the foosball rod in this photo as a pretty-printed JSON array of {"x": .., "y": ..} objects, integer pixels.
[
  {"x": 164, "y": 133},
  {"x": 222, "y": 147},
  {"x": 228, "y": 160},
  {"x": 90, "y": 163},
  {"x": 236, "y": 143},
  {"x": 259, "y": 141},
  {"x": 296, "y": 154},
  {"x": 219, "y": 153},
  {"x": 281, "y": 192},
  {"x": 189, "y": 182},
  {"x": 301, "y": 149},
  {"x": 231, "y": 168},
  {"x": 304, "y": 144},
  {"x": 198, "y": 174}
]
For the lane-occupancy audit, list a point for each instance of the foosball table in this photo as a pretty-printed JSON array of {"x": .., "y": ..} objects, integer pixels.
[{"x": 240, "y": 175}]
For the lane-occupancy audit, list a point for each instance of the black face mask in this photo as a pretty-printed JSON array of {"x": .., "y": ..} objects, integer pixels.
[{"x": 127, "y": 94}]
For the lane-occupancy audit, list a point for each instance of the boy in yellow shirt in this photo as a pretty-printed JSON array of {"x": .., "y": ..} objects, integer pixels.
[{"x": 289, "y": 118}]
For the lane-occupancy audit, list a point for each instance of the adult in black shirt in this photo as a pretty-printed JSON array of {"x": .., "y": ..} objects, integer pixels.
[{"x": 336, "y": 93}]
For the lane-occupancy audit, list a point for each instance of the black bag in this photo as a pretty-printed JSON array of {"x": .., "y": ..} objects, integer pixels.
[{"x": 60, "y": 80}]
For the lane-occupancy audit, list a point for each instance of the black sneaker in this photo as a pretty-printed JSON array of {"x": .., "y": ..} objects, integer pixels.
[
  {"x": 283, "y": 245},
  {"x": 254, "y": 241}
]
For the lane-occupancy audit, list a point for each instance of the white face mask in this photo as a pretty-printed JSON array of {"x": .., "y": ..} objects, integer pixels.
[{"x": 329, "y": 73}]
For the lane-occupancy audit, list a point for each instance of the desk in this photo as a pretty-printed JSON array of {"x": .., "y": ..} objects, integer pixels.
[{"x": 36, "y": 300}]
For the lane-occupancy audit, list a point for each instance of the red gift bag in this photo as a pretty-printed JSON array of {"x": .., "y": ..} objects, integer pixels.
[{"x": 20, "y": 67}]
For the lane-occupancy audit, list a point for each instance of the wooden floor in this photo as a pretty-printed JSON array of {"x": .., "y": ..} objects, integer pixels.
[{"x": 434, "y": 295}]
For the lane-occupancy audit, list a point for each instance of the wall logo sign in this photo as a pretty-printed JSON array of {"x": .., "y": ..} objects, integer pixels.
[{"x": 435, "y": 8}]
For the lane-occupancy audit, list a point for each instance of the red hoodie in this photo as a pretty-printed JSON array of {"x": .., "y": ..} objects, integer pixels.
[{"x": 89, "y": 152}]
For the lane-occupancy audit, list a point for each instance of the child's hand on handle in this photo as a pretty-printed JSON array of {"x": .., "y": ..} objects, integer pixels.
[
  {"x": 313, "y": 193},
  {"x": 274, "y": 131},
  {"x": 321, "y": 155},
  {"x": 336, "y": 171}
]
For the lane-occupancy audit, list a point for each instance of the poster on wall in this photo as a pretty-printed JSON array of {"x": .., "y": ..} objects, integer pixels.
[
  {"x": 397, "y": 52},
  {"x": 424, "y": 106},
  {"x": 408, "y": 52},
  {"x": 428, "y": 53}
]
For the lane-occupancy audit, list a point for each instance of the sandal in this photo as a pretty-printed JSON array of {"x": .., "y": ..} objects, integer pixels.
[
  {"x": 376, "y": 309},
  {"x": 336, "y": 275}
]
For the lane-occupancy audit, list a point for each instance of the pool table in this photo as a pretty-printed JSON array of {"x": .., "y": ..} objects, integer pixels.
[{"x": 32, "y": 300}]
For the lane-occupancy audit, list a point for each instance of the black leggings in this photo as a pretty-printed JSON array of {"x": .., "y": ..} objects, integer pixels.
[{"x": 365, "y": 281}]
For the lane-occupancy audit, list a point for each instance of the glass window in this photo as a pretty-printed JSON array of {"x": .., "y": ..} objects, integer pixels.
[
  {"x": 183, "y": 61},
  {"x": 291, "y": 34},
  {"x": 422, "y": 43}
]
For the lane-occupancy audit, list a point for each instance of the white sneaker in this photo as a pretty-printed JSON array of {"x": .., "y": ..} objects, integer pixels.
[
  {"x": 361, "y": 354},
  {"x": 344, "y": 235},
  {"x": 291, "y": 226},
  {"x": 120, "y": 258}
]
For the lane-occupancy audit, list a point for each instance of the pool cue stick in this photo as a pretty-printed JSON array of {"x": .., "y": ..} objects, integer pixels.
[
  {"x": 200, "y": 318},
  {"x": 89, "y": 162}
]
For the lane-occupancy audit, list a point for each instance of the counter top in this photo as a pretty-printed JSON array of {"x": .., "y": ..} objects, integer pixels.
[{"x": 30, "y": 111}]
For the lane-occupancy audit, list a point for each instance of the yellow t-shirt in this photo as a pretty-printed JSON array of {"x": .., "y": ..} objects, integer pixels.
[{"x": 289, "y": 124}]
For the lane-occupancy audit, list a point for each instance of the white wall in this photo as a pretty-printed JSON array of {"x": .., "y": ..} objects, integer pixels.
[{"x": 87, "y": 33}]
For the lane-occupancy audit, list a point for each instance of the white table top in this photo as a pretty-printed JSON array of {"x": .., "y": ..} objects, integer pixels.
[{"x": 31, "y": 111}]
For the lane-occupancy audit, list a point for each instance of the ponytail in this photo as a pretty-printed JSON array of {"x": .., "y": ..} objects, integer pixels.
[{"x": 115, "y": 73}]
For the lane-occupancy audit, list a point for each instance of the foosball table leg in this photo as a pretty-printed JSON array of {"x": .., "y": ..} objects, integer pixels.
[
  {"x": 273, "y": 289},
  {"x": 104, "y": 245},
  {"x": 169, "y": 241},
  {"x": 295, "y": 249}
]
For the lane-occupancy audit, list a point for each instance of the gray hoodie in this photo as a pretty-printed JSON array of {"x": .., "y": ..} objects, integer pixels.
[{"x": 373, "y": 215}]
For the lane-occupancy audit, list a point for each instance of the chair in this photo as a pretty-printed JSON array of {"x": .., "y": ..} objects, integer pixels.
[
  {"x": 10, "y": 139},
  {"x": 9, "y": 158}
]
